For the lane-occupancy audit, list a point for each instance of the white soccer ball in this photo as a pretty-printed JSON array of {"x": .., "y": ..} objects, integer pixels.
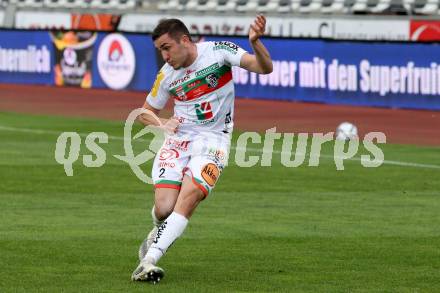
[{"x": 346, "y": 131}]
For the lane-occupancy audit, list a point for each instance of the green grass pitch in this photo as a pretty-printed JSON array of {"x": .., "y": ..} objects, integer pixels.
[{"x": 264, "y": 229}]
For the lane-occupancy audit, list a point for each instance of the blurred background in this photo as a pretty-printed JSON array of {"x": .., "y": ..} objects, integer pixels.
[
  {"x": 357, "y": 52},
  {"x": 370, "y": 53}
]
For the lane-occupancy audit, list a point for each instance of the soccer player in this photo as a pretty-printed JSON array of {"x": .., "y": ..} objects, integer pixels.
[{"x": 198, "y": 77}]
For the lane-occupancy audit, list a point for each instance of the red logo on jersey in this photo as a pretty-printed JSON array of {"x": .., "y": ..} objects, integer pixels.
[
  {"x": 204, "y": 111},
  {"x": 166, "y": 154}
]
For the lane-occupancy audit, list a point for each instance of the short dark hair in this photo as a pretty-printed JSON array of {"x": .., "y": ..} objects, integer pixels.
[{"x": 173, "y": 26}]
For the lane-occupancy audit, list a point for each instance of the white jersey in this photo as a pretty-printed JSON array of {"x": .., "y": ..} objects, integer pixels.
[{"x": 203, "y": 92}]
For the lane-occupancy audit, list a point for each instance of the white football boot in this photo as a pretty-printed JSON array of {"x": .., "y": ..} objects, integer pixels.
[
  {"x": 147, "y": 243},
  {"x": 148, "y": 272}
]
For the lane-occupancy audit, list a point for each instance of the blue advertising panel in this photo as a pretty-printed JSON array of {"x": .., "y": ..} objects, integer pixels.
[
  {"x": 26, "y": 57},
  {"x": 403, "y": 75}
]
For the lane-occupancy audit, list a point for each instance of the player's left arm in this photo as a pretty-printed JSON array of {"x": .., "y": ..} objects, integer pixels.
[{"x": 260, "y": 61}]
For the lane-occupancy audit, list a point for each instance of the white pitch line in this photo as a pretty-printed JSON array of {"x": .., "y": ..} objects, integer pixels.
[
  {"x": 386, "y": 162},
  {"x": 43, "y": 131}
]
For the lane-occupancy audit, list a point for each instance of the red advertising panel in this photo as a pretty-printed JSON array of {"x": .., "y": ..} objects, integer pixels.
[{"x": 424, "y": 30}]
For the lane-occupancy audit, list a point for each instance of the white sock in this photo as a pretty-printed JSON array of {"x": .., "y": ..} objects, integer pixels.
[
  {"x": 156, "y": 221},
  {"x": 168, "y": 232}
]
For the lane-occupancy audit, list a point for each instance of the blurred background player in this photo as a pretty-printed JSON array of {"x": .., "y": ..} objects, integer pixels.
[{"x": 199, "y": 79}]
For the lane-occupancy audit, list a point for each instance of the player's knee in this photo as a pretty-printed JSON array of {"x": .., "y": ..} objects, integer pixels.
[
  {"x": 163, "y": 211},
  {"x": 194, "y": 193},
  {"x": 164, "y": 202},
  {"x": 163, "y": 207},
  {"x": 190, "y": 188},
  {"x": 189, "y": 198}
]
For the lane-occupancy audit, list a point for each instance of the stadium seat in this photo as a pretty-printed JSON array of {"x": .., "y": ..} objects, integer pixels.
[
  {"x": 71, "y": 3},
  {"x": 294, "y": 5},
  {"x": 173, "y": 5},
  {"x": 7, "y": 2},
  {"x": 209, "y": 5},
  {"x": 371, "y": 3},
  {"x": 408, "y": 4},
  {"x": 267, "y": 5},
  {"x": 52, "y": 3},
  {"x": 332, "y": 6},
  {"x": 92, "y": 3},
  {"x": 360, "y": 6},
  {"x": 226, "y": 5},
  {"x": 426, "y": 6},
  {"x": 104, "y": 4},
  {"x": 87, "y": 3},
  {"x": 62, "y": 4},
  {"x": 252, "y": 5},
  {"x": 246, "y": 5},
  {"x": 399, "y": 7},
  {"x": 29, "y": 3},
  {"x": 378, "y": 6},
  {"x": 167, "y": 5},
  {"x": 146, "y": 3},
  {"x": 310, "y": 6},
  {"x": 284, "y": 6},
  {"x": 191, "y": 5},
  {"x": 182, "y": 4},
  {"x": 348, "y": 5},
  {"x": 126, "y": 4},
  {"x": 239, "y": 5}
]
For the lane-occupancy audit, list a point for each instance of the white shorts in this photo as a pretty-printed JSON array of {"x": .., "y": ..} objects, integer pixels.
[{"x": 201, "y": 156}]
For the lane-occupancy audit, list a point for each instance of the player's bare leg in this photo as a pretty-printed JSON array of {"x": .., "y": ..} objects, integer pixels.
[
  {"x": 164, "y": 202},
  {"x": 171, "y": 229}
]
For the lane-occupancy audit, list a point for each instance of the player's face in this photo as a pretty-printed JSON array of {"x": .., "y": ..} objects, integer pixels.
[{"x": 174, "y": 52}]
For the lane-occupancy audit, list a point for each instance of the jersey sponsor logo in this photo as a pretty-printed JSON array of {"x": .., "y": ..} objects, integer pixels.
[
  {"x": 212, "y": 80},
  {"x": 167, "y": 154},
  {"x": 181, "y": 93},
  {"x": 156, "y": 84},
  {"x": 225, "y": 45},
  {"x": 179, "y": 81},
  {"x": 193, "y": 84},
  {"x": 204, "y": 111},
  {"x": 203, "y": 84},
  {"x": 160, "y": 231},
  {"x": 210, "y": 173},
  {"x": 218, "y": 156},
  {"x": 181, "y": 145},
  {"x": 208, "y": 69},
  {"x": 167, "y": 165}
]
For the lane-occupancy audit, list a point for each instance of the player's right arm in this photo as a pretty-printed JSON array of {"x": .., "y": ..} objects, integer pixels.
[
  {"x": 148, "y": 119},
  {"x": 156, "y": 100}
]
